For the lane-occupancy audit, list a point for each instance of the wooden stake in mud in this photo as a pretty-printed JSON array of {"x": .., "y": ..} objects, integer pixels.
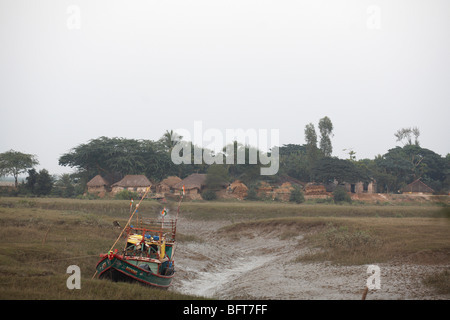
[
  {"x": 179, "y": 203},
  {"x": 366, "y": 290},
  {"x": 176, "y": 219}
]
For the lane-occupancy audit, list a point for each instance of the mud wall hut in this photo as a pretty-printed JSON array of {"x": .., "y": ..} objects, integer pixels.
[
  {"x": 134, "y": 183},
  {"x": 417, "y": 186},
  {"x": 315, "y": 189},
  {"x": 238, "y": 190},
  {"x": 360, "y": 187},
  {"x": 167, "y": 184},
  {"x": 98, "y": 185},
  {"x": 193, "y": 185}
]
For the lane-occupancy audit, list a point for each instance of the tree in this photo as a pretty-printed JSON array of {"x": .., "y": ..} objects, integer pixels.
[
  {"x": 330, "y": 169},
  {"x": 407, "y": 134},
  {"x": 293, "y": 162},
  {"x": 31, "y": 180},
  {"x": 65, "y": 186},
  {"x": 326, "y": 130},
  {"x": 243, "y": 169},
  {"x": 312, "y": 152},
  {"x": 403, "y": 165},
  {"x": 216, "y": 177},
  {"x": 44, "y": 183},
  {"x": 169, "y": 140},
  {"x": 351, "y": 154},
  {"x": 310, "y": 136},
  {"x": 114, "y": 158},
  {"x": 14, "y": 163}
]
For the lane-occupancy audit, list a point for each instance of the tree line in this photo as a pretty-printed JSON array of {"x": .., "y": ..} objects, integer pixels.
[{"x": 113, "y": 158}]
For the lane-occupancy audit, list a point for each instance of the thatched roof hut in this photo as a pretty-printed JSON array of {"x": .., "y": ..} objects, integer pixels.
[
  {"x": 97, "y": 181},
  {"x": 192, "y": 184},
  {"x": 133, "y": 180},
  {"x": 417, "y": 186},
  {"x": 136, "y": 183},
  {"x": 98, "y": 185},
  {"x": 238, "y": 189},
  {"x": 283, "y": 192},
  {"x": 264, "y": 189},
  {"x": 292, "y": 181},
  {"x": 167, "y": 184},
  {"x": 315, "y": 189}
]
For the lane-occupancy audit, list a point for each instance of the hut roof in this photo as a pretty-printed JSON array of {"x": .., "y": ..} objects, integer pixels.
[
  {"x": 170, "y": 181},
  {"x": 130, "y": 180},
  {"x": 292, "y": 181},
  {"x": 417, "y": 186},
  {"x": 97, "y": 181},
  {"x": 236, "y": 184},
  {"x": 195, "y": 180}
]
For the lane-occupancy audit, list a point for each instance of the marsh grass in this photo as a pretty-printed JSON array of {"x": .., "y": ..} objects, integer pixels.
[
  {"x": 253, "y": 210},
  {"x": 353, "y": 241},
  {"x": 375, "y": 240},
  {"x": 39, "y": 240},
  {"x": 343, "y": 244}
]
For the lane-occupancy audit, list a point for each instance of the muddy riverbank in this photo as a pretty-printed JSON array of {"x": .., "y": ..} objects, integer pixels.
[{"x": 260, "y": 265}]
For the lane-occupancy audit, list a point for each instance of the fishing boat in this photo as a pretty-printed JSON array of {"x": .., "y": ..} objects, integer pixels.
[{"x": 147, "y": 256}]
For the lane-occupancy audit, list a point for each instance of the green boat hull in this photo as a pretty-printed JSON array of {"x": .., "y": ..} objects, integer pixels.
[{"x": 116, "y": 268}]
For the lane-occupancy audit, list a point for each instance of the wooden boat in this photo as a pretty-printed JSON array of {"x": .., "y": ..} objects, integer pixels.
[{"x": 147, "y": 256}]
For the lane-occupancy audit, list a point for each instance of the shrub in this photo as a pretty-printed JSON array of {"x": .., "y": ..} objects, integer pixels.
[
  {"x": 340, "y": 195},
  {"x": 209, "y": 195},
  {"x": 297, "y": 195},
  {"x": 252, "y": 194},
  {"x": 126, "y": 195}
]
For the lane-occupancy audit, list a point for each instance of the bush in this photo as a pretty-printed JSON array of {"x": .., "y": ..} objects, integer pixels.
[
  {"x": 209, "y": 195},
  {"x": 340, "y": 195},
  {"x": 252, "y": 194},
  {"x": 297, "y": 195},
  {"x": 126, "y": 195}
]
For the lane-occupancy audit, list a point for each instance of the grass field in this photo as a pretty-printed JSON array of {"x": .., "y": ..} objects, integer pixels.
[{"x": 40, "y": 238}]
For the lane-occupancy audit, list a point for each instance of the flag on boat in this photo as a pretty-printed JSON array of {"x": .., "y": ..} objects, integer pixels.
[{"x": 164, "y": 212}]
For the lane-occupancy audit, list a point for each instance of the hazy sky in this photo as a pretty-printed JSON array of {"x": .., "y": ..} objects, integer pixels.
[{"x": 71, "y": 71}]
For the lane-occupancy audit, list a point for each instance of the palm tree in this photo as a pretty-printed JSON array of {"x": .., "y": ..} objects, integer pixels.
[{"x": 170, "y": 139}]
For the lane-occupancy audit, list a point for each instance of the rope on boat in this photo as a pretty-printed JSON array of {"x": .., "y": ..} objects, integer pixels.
[
  {"x": 131, "y": 217},
  {"x": 126, "y": 225}
]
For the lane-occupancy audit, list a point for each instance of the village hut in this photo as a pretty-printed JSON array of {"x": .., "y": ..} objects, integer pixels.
[
  {"x": 7, "y": 186},
  {"x": 167, "y": 184},
  {"x": 135, "y": 183},
  {"x": 292, "y": 181},
  {"x": 315, "y": 189},
  {"x": 283, "y": 192},
  {"x": 238, "y": 190},
  {"x": 417, "y": 186},
  {"x": 98, "y": 185},
  {"x": 193, "y": 185},
  {"x": 264, "y": 189}
]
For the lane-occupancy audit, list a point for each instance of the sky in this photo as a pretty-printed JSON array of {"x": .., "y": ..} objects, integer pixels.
[{"x": 72, "y": 71}]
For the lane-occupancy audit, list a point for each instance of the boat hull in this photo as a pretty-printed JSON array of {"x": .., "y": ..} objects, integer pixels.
[{"x": 116, "y": 268}]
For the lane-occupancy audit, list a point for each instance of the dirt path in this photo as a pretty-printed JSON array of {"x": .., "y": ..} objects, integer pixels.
[{"x": 260, "y": 266}]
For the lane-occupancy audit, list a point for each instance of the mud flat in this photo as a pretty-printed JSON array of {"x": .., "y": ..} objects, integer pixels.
[{"x": 260, "y": 265}]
